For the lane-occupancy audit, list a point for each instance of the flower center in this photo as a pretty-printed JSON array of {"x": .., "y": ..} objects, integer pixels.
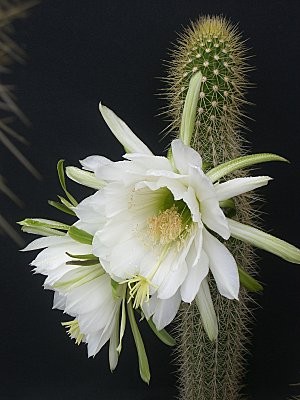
[
  {"x": 73, "y": 330},
  {"x": 166, "y": 227}
]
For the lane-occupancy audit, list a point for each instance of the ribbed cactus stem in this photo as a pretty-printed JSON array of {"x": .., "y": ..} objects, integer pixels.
[{"x": 214, "y": 371}]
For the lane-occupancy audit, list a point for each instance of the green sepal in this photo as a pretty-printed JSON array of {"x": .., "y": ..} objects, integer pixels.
[
  {"x": 228, "y": 207},
  {"x": 83, "y": 263},
  {"x": 250, "y": 283},
  {"x": 83, "y": 177},
  {"x": 142, "y": 356},
  {"x": 61, "y": 177},
  {"x": 65, "y": 202},
  {"x": 115, "y": 288},
  {"x": 43, "y": 223},
  {"x": 83, "y": 256},
  {"x": 190, "y": 109},
  {"x": 35, "y": 230},
  {"x": 61, "y": 207},
  {"x": 163, "y": 335},
  {"x": 80, "y": 235},
  {"x": 264, "y": 241},
  {"x": 122, "y": 325},
  {"x": 241, "y": 162}
]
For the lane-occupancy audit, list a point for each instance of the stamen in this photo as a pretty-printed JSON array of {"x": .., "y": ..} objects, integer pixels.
[
  {"x": 139, "y": 290},
  {"x": 165, "y": 227},
  {"x": 73, "y": 331}
]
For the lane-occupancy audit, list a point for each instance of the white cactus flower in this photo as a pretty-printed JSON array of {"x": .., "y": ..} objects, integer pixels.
[
  {"x": 82, "y": 289},
  {"x": 158, "y": 224}
]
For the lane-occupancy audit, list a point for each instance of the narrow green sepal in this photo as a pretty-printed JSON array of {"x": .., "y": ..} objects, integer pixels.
[
  {"x": 122, "y": 325},
  {"x": 115, "y": 288},
  {"x": 43, "y": 223},
  {"x": 162, "y": 335},
  {"x": 83, "y": 256},
  {"x": 80, "y": 235},
  {"x": 142, "y": 356},
  {"x": 83, "y": 263},
  {"x": 264, "y": 241},
  {"x": 241, "y": 162},
  {"x": 83, "y": 177},
  {"x": 66, "y": 202},
  {"x": 250, "y": 283},
  {"x": 61, "y": 207},
  {"x": 61, "y": 177},
  {"x": 42, "y": 231},
  {"x": 190, "y": 109}
]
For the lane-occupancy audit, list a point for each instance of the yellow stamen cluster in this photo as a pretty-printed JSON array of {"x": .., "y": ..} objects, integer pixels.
[
  {"x": 165, "y": 227},
  {"x": 74, "y": 331},
  {"x": 139, "y": 289}
]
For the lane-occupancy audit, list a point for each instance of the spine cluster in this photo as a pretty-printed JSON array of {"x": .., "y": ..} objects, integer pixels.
[{"x": 213, "y": 46}]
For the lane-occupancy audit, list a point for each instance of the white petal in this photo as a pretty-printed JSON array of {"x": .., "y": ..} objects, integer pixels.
[
  {"x": 222, "y": 265},
  {"x": 184, "y": 156},
  {"x": 207, "y": 311},
  {"x": 237, "y": 186},
  {"x": 214, "y": 218},
  {"x": 175, "y": 186},
  {"x": 173, "y": 280},
  {"x": 59, "y": 301},
  {"x": 92, "y": 163},
  {"x": 97, "y": 341},
  {"x": 147, "y": 161},
  {"x": 46, "y": 241},
  {"x": 211, "y": 213},
  {"x": 122, "y": 132},
  {"x": 166, "y": 311},
  {"x": 190, "y": 199},
  {"x": 120, "y": 171},
  {"x": 196, "y": 274},
  {"x": 88, "y": 297},
  {"x": 91, "y": 207},
  {"x": 173, "y": 269}
]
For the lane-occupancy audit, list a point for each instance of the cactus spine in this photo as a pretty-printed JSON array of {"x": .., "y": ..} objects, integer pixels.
[{"x": 213, "y": 371}]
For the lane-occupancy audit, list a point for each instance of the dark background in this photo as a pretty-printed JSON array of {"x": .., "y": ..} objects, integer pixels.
[{"x": 78, "y": 53}]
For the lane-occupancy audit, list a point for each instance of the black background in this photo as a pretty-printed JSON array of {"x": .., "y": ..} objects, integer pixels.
[{"x": 80, "y": 52}]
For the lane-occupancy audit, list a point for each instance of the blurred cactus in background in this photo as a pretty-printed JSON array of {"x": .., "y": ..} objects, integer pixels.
[{"x": 10, "y": 52}]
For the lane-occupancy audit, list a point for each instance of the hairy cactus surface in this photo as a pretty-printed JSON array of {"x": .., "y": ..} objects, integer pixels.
[{"x": 213, "y": 46}]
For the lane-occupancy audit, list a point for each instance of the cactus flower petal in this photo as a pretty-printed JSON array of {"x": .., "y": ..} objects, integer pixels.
[
  {"x": 130, "y": 142},
  {"x": 207, "y": 311}
]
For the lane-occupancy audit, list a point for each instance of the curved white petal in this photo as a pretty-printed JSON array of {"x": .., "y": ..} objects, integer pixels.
[
  {"x": 196, "y": 274},
  {"x": 148, "y": 162},
  {"x": 222, "y": 265},
  {"x": 165, "y": 310},
  {"x": 59, "y": 301},
  {"x": 92, "y": 163},
  {"x": 207, "y": 311},
  {"x": 122, "y": 132},
  {"x": 184, "y": 156},
  {"x": 211, "y": 213},
  {"x": 237, "y": 186},
  {"x": 43, "y": 242}
]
